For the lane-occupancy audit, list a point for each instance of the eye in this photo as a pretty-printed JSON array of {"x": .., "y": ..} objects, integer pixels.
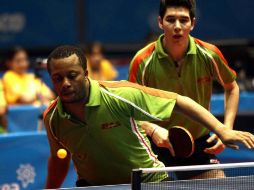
[
  {"x": 184, "y": 20},
  {"x": 170, "y": 20},
  {"x": 72, "y": 75},
  {"x": 57, "y": 78}
]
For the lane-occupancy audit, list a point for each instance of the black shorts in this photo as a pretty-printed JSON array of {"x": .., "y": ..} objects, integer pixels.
[
  {"x": 82, "y": 183},
  {"x": 199, "y": 157}
]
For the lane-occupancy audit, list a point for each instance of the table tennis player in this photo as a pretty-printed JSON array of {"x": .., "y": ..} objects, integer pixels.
[
  {"x": 178, "y": 62},
  {"x": 96, "y": 122}
]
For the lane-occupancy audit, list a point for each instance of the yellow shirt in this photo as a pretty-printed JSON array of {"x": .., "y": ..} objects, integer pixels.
[
  {"x": 23, "y": 85},
  {"x": 107, "y": 71},
  {"x": 2, "y": 97}
]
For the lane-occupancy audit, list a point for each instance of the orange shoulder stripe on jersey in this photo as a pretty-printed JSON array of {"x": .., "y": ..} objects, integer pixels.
[
  {"x": 150, "y": 91},
  {"x": 214, "y": 49},
  {"x": 54, "y": 102},
  {"x": 138, "y": 59}
]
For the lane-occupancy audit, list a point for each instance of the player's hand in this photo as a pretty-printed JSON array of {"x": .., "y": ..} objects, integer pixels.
[
  {"x": 160, "y": 138},
  {"x": 230, "y": 137},
  {"x": 217, "y": 148}
]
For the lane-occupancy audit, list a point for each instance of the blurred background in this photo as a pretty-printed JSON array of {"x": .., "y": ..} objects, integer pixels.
[{"x": 110, "y": 31}]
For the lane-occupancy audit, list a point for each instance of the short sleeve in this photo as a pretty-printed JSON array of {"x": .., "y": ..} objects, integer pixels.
[
  {"x": 148, "y": 104},
  {"x": 135, "y": 72},
  {"x": 138, "y": 63},
  {"x": 222, "y": 71},
  {"x": 11, "y": 94}
]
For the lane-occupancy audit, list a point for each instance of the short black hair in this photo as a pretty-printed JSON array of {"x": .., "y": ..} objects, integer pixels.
[
  {"x": 12, "y": 52},
  {"x": 90, "y": 48},
  {"x": 66, "y": 51},
  {"x": 189, "y": 4}
]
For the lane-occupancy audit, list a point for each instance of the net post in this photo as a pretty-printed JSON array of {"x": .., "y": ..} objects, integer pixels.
[{"x": 136, "y": 179}]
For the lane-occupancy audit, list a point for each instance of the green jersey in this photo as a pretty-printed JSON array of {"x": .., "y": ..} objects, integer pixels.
[
  {"x": 203, "y": 63},
  {"x": 109, "y": 144}
]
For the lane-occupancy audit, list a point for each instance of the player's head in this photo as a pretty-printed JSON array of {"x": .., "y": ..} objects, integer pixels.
[
  {"x": 66, "y": 51},
  {"x": 177, "y": 19},
  {"x": 188, "y": 4},
  {"x": 68, "y": 71},
  {"x": 17, "y": 60}
]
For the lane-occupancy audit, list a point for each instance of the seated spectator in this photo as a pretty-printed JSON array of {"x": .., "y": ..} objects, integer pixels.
[
  {"x": 20, "y": 86},
  {"x": 245, "y": 82},
  {"x": 3, "y": 121},
  {"x": 99, "y": 68}
]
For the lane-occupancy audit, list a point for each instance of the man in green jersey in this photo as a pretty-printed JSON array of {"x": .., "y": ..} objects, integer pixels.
[
  {"x": 180, "y": 63},
  {"x": 96, "y": 123}
]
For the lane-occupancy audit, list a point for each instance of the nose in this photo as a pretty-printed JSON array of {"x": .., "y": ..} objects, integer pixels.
[
  {"x": 66, "y": 83},
  {"x": 177, "y": 26}
]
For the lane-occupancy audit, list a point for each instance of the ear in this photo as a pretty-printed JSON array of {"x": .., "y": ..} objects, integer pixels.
[
  {"x": 160, "y": 22},
  {"x": 86, "y": 73},
  {"x": 193, "y": 23}
]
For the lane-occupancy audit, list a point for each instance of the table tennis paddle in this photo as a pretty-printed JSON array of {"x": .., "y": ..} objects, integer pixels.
[{"x": 182, "y": 141}]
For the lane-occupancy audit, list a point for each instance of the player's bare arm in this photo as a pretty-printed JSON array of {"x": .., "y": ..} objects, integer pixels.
[
  {"x": 199, "y": 114},
  {"x": 57, "y": 168},
  {"x": 57, "y": 171},
  {"x": 231, "y": 105}
]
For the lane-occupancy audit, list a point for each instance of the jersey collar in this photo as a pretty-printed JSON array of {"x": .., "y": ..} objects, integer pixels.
[
  {"x": 162, "y": 54},
  {"x": 192, "y": 47},
  {"x": 159, "y": 48},
  {"x": 95, "y": 94},
  {"x": 61, "y": 112}
]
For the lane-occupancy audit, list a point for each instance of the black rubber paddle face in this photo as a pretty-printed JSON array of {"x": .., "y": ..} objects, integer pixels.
[{"x": 182, "y": 142}]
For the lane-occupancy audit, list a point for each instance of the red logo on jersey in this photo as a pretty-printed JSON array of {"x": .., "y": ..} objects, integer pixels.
[{"x": 204, "y": 79}]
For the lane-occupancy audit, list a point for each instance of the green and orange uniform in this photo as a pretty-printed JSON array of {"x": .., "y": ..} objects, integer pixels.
[
  {"x": 109, "y": 144},
  {"x": 203, "y": 63}
]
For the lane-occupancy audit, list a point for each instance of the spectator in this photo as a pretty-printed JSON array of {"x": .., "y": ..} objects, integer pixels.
[
  {"x": 99, "y": 68},
  {"x": 20, "y": 86},
  {"x": 245, "y": 82}
]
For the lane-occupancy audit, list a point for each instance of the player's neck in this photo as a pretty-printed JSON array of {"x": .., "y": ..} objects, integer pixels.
[
  {"x": 176, "y": 51},
  {"x": 77, "y": 109}
]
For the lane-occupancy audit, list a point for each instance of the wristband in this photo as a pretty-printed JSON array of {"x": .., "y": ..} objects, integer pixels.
[{"x": 153, "y": 132}]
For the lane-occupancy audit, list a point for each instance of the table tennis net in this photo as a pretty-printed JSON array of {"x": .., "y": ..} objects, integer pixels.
[{"x": 235, "y": 176}]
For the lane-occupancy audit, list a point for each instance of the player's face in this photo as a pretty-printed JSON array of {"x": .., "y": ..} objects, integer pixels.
[
  {"x": 176, "y": 24},
  {"x": 69, "y": 79}
]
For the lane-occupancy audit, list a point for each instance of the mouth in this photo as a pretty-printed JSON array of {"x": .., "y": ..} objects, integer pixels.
[
  {"x": 67, "y": 93},
  {"x": 177, "y": 36}
]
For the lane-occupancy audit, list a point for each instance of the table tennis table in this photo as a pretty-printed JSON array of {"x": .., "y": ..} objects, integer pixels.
[
  {"x": 106, "y": 187},
  {"x": 228, "y": 183}
]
